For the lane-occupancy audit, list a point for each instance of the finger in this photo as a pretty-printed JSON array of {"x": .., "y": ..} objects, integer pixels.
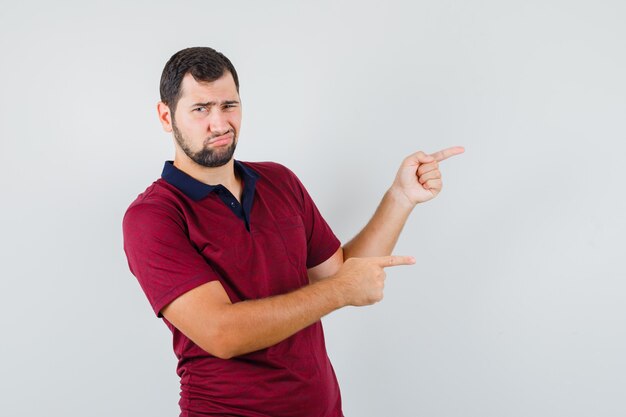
[
  {"x": 429, "y": 176},
  {"x": 392, "y": 260},
  {"x": 433, "y": 185},
  {"x": 447, "y": 153},
  {"x": 424, "y": 168}
]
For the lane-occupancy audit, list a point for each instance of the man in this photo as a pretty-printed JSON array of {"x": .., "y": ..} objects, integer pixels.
[{"x": 238, "y": 261}]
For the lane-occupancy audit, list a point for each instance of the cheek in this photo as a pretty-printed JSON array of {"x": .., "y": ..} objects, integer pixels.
[
  {"x": 197, "y": 123},
  {"x": 193, "y": 129},
  {"x": 235, "y": 121}
]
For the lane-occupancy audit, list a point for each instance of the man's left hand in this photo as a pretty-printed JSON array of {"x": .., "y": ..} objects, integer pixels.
[{"x": 419, "y": 178}]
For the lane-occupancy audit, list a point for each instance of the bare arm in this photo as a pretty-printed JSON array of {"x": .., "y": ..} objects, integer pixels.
[
  {"x": 381, "y": 233},
  {"x": 206, "y": 315},
  {"x": 418, "y": 180}
]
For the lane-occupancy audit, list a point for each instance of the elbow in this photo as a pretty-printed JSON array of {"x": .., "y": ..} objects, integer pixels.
[
  {"x": 220, "y": 344},
  {"x": 218, "y": 349},
  {"x": 222, "y": 353}
]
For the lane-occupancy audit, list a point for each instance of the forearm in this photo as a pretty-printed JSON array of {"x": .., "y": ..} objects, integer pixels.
[
  {"x": 257, "y": 324},
  {"x": 380, "y": 235},
  {"x": 225, "y": 329}
]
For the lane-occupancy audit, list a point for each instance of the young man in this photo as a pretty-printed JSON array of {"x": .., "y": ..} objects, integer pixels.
[{"x": 238, "y": 261}]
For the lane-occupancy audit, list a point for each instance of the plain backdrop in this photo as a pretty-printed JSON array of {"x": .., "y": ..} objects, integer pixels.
[{"x": 517, "y": 304}]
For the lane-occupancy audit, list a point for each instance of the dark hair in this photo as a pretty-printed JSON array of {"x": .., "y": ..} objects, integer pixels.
[{"x": 203, "y": 63}]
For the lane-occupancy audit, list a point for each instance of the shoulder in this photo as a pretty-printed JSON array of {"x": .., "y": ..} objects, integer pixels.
[
  {"x": 158, "y": 203},
  {"x": 276, "y": 176},
  {"x": 268, "y": 169}
]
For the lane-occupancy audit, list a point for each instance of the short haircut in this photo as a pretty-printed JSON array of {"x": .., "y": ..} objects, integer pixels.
[{"x": 203, "y": 63}]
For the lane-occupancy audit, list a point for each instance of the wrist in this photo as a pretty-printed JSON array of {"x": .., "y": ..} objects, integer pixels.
[
  {"x": 399, "y": 198},
  {"x": 335, "y": 291}
]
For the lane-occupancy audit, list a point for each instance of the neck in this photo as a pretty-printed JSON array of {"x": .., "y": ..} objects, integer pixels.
[{"x": 224, "y": 175}]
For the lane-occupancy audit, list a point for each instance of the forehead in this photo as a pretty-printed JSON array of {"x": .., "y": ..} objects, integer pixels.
[{"x": 223, "y": 88}]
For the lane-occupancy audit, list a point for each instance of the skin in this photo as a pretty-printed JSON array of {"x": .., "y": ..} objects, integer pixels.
[
  {"x": 202, "y": 126},
  {"x": 353, "y": 276}
]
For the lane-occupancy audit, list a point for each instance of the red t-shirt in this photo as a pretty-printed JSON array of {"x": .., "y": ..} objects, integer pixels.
[{"x": 181, "y": 233}]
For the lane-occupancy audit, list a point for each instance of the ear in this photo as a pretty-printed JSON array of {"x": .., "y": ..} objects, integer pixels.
[{"x": 165, "y": 117}]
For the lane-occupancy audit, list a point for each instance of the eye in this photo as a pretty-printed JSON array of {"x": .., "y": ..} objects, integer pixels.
[{"x": 199, "y": 109}]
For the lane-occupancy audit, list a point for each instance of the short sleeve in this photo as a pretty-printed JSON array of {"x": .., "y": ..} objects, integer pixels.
[
  {"x": 160, "y": 254},
  {"x": 321, "y": 241}
]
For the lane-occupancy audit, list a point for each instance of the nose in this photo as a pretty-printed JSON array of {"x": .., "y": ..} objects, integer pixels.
[{"x": 218, "y": 123}]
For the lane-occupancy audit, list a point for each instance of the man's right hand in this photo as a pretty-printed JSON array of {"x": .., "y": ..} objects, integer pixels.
[{"x": 361, "y": 280}]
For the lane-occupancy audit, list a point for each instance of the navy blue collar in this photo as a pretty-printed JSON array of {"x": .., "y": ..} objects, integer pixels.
[{"x": 197, "y": 190}]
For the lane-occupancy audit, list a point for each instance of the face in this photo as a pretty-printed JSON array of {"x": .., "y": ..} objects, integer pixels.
[{"x": 206, "y": 120}]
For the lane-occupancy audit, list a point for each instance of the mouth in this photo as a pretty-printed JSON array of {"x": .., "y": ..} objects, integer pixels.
[{"x": 221, "y": 140}]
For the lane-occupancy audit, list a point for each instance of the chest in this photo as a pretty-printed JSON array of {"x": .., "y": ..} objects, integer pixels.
[{"x": 269, "y": 259}]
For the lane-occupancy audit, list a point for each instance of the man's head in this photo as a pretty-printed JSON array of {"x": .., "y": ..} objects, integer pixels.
[
  {"x": 200, "y": 105},
  {"x": 203, "y": 63}
]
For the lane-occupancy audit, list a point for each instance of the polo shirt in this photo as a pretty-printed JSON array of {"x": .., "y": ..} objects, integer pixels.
[{"x": 181, "y": 233}]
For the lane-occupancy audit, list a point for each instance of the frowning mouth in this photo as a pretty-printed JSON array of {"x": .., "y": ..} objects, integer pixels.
[{"x": 221, "y": 140}]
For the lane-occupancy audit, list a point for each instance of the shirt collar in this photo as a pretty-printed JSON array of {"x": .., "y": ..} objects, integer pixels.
[{"x": 197, "y": 190}]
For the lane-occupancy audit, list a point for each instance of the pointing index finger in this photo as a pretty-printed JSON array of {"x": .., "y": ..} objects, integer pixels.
[
  {"x": 447, "y": 153},
  {"x": 392, "y": 260}
]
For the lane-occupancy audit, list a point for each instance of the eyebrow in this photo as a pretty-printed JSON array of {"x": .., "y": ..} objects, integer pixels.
[{"x": 213, "y": 103}]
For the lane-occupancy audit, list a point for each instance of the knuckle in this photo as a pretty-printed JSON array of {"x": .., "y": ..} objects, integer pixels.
[{"x": 425, "y": 168}]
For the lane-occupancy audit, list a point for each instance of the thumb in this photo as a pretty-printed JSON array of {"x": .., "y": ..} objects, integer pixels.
[{"x": 419, "y": 158}]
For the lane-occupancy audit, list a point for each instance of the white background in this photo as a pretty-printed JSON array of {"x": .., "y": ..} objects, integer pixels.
[{"x": 517, "y": 305}]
